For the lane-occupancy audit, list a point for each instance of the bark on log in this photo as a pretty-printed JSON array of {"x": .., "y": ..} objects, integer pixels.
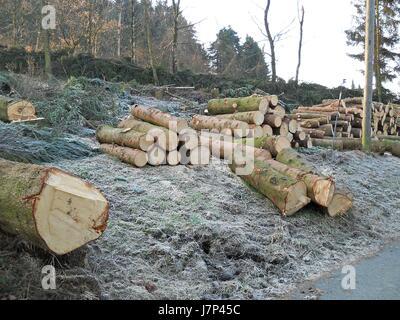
[
  {"x": 314, "y": 133},
  {"x": 49, "y": 207},
  {"x": 287, "y": 194},
  {"x": 273, "y": 144},
  {"x": 208, "y": 123},
  {"x": 310, "y": 124},
  {"x": 328, "y": 144},
  {"x": 131, "y": 156},
  {"x": 159, "y": 118},
  {"x": 255, "y": 131},
  {"x": 233, "y": 105},
  {"x": 16, "y": 110},
  {"x": 170, "y": 137},
  {"x": 124, "y": 138},
  {"x": 320, "y": 189},
  {"x": 253, "y": 117},
  {"x": 268, "y": 131},
  {"x": 294, "y": 159}
]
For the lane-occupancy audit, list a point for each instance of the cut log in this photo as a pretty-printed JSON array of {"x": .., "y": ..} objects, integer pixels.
[
  {"x": 328, "y": 144},
  {"x": 49, "y": 207},
  {"x": 273, "y": 121},
  {"x": 131, "y": 156},
  {"x": 204, "y": 122},
  {"x": 300, "y": 136},
  {"x": 268, "y": 131},
  {"x": 273, "y": 144},
  {"x": 310, "y": 124},
  {"x": 157, "y": 156},
  {"x": 287, "y": 194},
  {"x": 328, "y": 129},
  {"x": 253, "y": 117},
  {"x": 278, "y": 111},
  {"x": 159, "y": 118},
  {"x": 341, "y": 203},
  {"x": 174, "y": 158},
  {"x": 170, "y": 137},
  {"x": 314, "y": 133},
  {"x": 16, "y": 110},
  {"x": 124, "y": 138},
  {"x": 320, "y": 189},
  {"x": 293, "y": 125},
  {"x": 233, "y": 105},
  {"x": 294, "y": 159},
  {"x": 307, "y": 143},
  {"x": 255, "y": 131}
]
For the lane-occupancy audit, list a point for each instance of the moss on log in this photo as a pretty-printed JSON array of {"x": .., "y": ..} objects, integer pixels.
[{"x": 233, "y": 105}]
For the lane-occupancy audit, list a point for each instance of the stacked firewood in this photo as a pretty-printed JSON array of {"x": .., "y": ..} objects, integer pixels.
[
  {"x": 264, "y": 117},
  {"x": 344, "y": 118}
]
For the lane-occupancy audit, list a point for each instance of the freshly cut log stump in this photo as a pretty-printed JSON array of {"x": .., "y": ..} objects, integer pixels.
[
  {"x": 268, "y": 131},
  {"x": 144, "y": 127},
  {"x": 200, "y": 156},
  {"x": 131, "y": 156},
  {"x": 255, "y": 131},
  {"x": 287, "y": 194},
  {"x": 204, "y": 122},
  {"x": 49, "y": 207},
  {"x": 16, "y": 110},
  {"x": 157, "y": 156},
  {"x": 341, "y": 203},
  {"x": 253, "y": 117},
  {"x": 159, "y": 118},
  {"x": 233, "y": 105},
  {"x": 124, "y": 138}
]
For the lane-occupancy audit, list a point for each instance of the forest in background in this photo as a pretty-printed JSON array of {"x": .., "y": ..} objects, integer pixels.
[{"x": 152, "y": 42}]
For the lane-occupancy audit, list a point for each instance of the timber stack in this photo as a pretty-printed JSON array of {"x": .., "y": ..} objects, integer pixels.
[
  {"x": 344, "y": 118},
  {"x": 264, "y": 115},
  {"x": 254, "y": 130}
]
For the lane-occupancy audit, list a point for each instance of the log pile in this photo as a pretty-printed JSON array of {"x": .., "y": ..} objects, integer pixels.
[
  {"x": 343, "y": 119},
  {"x": 254, "y": 134},
  {"x": 263, "y": 115}
]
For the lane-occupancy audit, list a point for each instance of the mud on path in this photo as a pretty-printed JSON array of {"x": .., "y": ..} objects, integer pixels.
[{"x": 201, "y": 233}]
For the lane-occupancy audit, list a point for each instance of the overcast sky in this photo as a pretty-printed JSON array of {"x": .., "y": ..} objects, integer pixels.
[{"x": 325, "y": 59}]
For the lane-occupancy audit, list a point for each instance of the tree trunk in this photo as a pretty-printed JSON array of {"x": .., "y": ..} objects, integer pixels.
[
  {"x": 320, "y": 189},
  {"x": 233, "y": 105},
  {"x": 159, "y": 118},
  {"x": 16, "y": 110},
  {"x": 271, "y": 41},
  {"x": 150, "y": 40},
  {"x": 239, "y": 128},
  {"x": 125, "y": 138},
  {"x": 300, "y": 45},
  {"x": 131, "y": 156},
  {"x": 49, "y": 207},
  {"x": 133, "y": 32},
  {"x": 377, "y": 58},
  {"x": 287, "y": 194},
  {"x": 170, "y": 137},
  {"x": 177, "y": 12},
  {"x": 119, "y": 30},
  {"x": 253, "y": 117}
]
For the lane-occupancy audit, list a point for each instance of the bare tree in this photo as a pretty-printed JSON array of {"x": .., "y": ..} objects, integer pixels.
[
  {"x": 147, "y": 5},
  {"x": 177, "y": 13},
  {"x": 301, "y": 20},
  {"x": 271, "y": 40},
  {"x": 119, "y": 29},
  {"x": 133, "y": 31}
]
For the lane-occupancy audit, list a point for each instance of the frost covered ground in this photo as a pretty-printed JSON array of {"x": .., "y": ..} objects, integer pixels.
[{"x": 201, "y": 233}]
